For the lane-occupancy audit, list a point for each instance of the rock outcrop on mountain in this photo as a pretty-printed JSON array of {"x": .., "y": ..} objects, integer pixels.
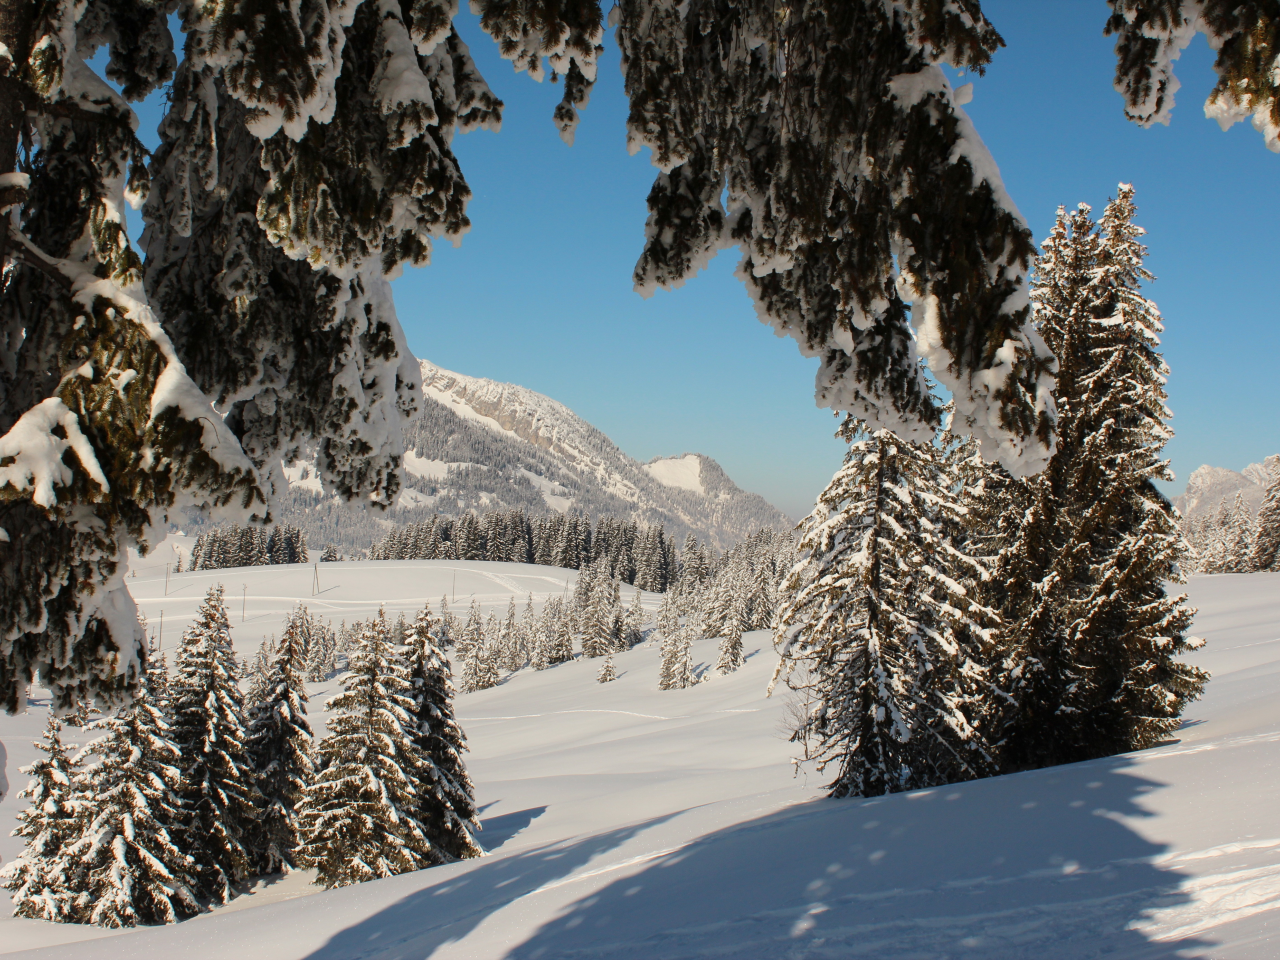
[{"x": 1207, "y": 486}]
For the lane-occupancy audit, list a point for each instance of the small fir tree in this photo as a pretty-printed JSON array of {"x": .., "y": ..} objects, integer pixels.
[
  {"x": 218, "y": 792},
  {"x": 39, "y": 876},
  {"x": 676, "y": 672},
  {"x": 130, "y": 867},
  {"x": 278, "y": 741},
  {"x": 446, "y": 796},
  {"x": 358, "y": 817},
  {"x": 607, "y": 672}
]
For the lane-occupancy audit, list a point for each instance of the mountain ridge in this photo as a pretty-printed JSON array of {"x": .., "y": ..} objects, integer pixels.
[{"x": 484, "y": 445}]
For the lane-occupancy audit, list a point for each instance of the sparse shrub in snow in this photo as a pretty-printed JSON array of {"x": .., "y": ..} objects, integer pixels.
[{"x": 218, "y": 793}]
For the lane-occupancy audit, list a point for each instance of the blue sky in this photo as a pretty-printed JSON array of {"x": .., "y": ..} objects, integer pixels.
[{"x": 540, "y": 292}]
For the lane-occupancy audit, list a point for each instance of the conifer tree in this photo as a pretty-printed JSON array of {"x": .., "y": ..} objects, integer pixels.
[
  {"x": 1245, "y": 36},
  {"x": 877, "y": 612},
  {"x": 39, "y": 876},
  {"x": 731, "y": 654},
  {"x": 1266, "y": 545},
  {"x": 446, "y": 796},
  {"x": 633, "y": 626},
  {"x": 278, "y": 744},
  {"x": 607, "y": 672},
  {"x": 130, "y": 867},
  {"x": 557, "y": 631},
  {"x": 358, "y": 817},
  {"x": 1090, "y": 637},
  {"x": 676, "y": 672},
  {"x": 307, "y": 157},
  {"x": 1238, "y": 538},
  {"x": 218, "y": 792}
]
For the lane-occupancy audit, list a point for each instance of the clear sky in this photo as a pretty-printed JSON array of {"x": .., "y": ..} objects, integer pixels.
[{"x": 539, "y": 293}]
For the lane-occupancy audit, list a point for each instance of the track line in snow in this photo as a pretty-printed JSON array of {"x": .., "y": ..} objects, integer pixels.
[{"x": 554, "y": 713}]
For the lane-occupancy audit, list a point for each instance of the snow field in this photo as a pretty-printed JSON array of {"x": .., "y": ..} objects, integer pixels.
[{"x": 625, "y": 822}]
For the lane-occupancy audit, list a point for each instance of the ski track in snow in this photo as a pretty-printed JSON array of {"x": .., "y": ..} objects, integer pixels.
[{"x": 626, "y": 823}]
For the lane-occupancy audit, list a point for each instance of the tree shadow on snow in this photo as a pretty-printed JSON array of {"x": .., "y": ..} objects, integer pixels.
[
  {"x": 448, "y": 910},
  {"x": 498, "y": 830},
  {"x": 1033, "y": 865}
]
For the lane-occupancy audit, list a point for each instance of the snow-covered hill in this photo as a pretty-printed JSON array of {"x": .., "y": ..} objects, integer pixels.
[
  {"x": 625, "y": 822},
  {"x": 483, "y": 445},
  {"x": 1207, "y": 486}
]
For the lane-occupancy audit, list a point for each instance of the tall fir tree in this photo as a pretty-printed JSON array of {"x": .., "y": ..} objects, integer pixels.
[
  {"x": 278, "y": 744},
  {"x": 446, "y": 796},
  {"x": 131, "y": 863},
  {"x": 219, "y": 795},
  {"x": 1091, "y": 638},
  {"x": 38, "y": 877},
  {"x": 358, "y": 818},
  {"x": 878, "y": 615}
]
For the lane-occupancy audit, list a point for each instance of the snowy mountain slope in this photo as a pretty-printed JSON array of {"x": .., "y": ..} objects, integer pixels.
[
  {"x": 1207, "y": 486},
  {"x": 625, "y": 822},
  {"x": 482, "y": 445}
]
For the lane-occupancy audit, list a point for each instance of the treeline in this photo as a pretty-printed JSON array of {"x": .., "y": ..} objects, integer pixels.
[
  {"x": 723, "y": 597},
  {"x": 195, "y": 788},
  {"x": 235, "y": 546},
  {"x": 1232, "y": 539},
  {"x": 631, "y": 552}
]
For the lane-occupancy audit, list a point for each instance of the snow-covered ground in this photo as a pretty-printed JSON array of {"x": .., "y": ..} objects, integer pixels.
[{"x": 625, "y": 822}]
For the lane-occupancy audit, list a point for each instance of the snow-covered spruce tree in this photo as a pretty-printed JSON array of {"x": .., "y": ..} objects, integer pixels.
[
  {"x": 607, "y": 672},
  {"x": 306, "y": 158},
  {"x": 858, "y": 192},
  {"x": 877, "y": 628},
  {"x": 38, "y": 877},
  {"x": 1090, "y": 638},
  {"x": 676, "y": 670},
  {"x": 103, "y": 436},
  {"x": 358, "y": 817},
  {"x": 731, "y": 654},
  {"x": 1266, "y": 545},
  {"x": 557, "y": 632},
  {"x": 1245, "y": 35},
  {"x": 1238, "y": 538},
  {"x": 128, "y": 865},
  {"x": 278, "y": 744},
  {"x": 446, "y": 796},
  {"x": 218, "y": 791}
]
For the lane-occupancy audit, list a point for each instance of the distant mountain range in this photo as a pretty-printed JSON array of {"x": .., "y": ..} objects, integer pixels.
[
  {"x": 483, "y": 445},
  {"x": 1207, "y": 486}
]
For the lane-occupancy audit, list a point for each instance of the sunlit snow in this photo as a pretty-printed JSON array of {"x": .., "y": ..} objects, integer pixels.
[
  {"x": 682, "y": 472},
  {"x": 627, "y": 822}
]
